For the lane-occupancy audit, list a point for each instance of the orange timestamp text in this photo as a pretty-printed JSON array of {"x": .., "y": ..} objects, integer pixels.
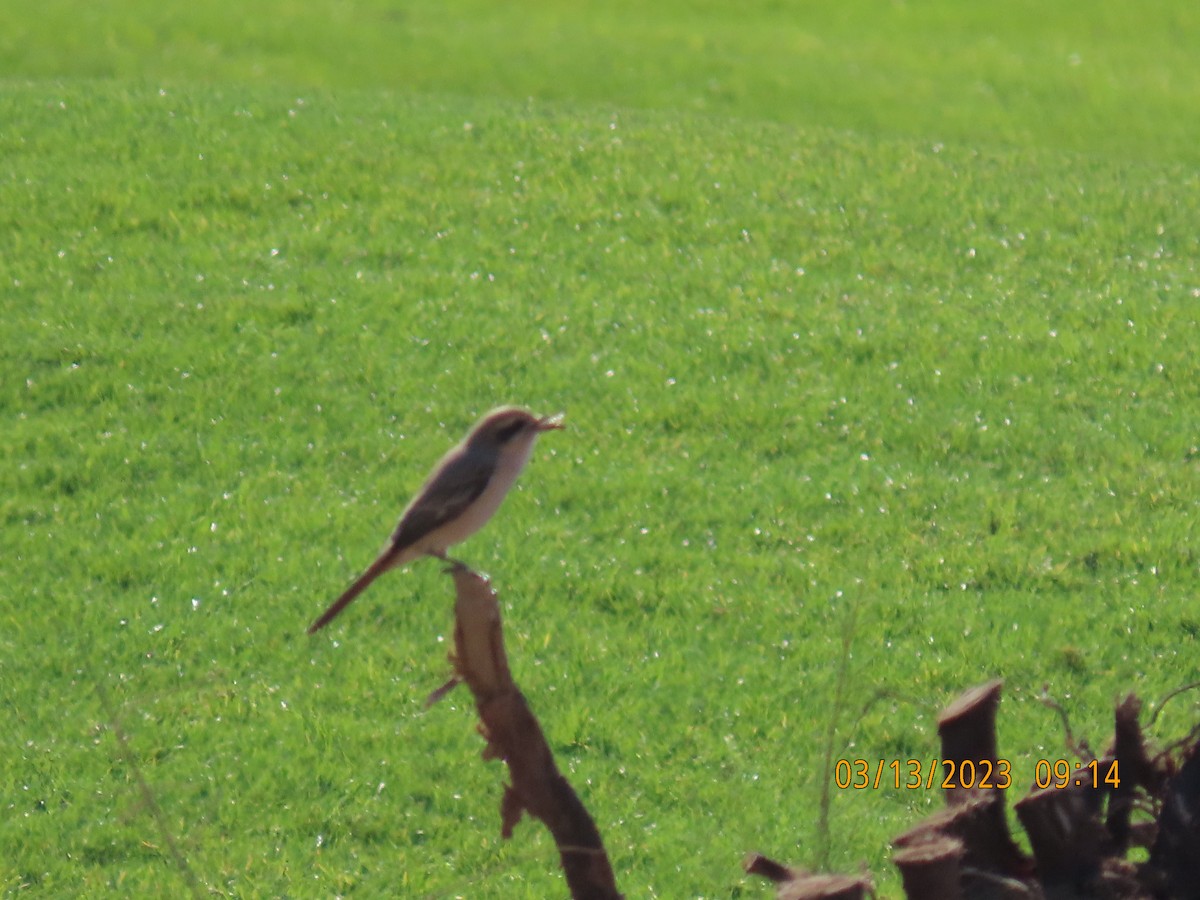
[
  {"x": 922, "y": 774},
  {"x": 979, "y": 774}
]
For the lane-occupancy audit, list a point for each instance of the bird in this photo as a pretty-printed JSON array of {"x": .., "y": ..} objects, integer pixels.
[{"x": 464, "y": 490}]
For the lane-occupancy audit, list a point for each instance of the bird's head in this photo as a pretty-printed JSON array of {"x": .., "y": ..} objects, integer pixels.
[{"x": 510, "y": 426}]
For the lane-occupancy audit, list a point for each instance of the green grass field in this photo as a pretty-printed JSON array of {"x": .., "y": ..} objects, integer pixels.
[{"x": 875, "y": 327}]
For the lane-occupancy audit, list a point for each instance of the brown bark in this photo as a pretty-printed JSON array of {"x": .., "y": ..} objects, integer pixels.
[
  {"x": 796, "y": 884},
  {"x": 979, "y": 825},
  {"x": 1066, "y": 834},
  {"x": 932, "y": 869},
  {"x": 967, "y": 728},
  {"x": 1175, "y": 856},
  {"x": 1134, "y": 770},
  {"x": 513, "y": 734}
]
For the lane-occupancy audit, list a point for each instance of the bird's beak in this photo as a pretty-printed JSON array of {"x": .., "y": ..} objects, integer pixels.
[{"x": 551, "y": 423}]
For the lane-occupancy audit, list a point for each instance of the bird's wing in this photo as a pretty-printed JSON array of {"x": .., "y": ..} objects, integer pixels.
[{"x": 458, "y": 484}]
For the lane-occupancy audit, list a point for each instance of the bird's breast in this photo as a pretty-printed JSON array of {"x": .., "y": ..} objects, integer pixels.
[{"x": 475, "y": 516}]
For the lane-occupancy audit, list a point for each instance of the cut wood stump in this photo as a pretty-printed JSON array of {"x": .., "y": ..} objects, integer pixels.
[
  {"x": 932, "y": 869},
  {"x": 967, "y": 729},
  {"x": 1175, "y": 857},
  {"x": 1080, "y": 828},
  {"x": 796, "y": 884}
]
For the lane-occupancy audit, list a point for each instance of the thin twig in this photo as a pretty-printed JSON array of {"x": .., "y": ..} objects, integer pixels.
[
  {"x": 1170, "y": 696},
  {"x": 825, "y": 798},
  {"x": 148, "y": 798},
  {"x": 1079, "y": 747}
]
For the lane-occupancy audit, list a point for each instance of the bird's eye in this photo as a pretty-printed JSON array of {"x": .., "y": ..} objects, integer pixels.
[{"x": 509, "y": 431}]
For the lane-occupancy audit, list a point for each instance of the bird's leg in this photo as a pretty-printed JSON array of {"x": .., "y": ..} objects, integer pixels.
[{"x": 454, "y": 563}]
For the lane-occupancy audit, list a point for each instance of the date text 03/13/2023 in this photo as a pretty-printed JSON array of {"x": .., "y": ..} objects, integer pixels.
[{"x": 983, "y": 774}]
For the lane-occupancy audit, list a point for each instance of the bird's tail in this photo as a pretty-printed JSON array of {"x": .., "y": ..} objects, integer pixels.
[{"x": 377, "y": 568}]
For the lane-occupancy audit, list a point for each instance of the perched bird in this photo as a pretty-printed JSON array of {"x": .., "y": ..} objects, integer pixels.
[{"x": 462, "y": 493}]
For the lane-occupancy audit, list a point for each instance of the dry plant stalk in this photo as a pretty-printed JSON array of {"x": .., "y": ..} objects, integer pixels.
[{"x": 514, "y": 735}]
